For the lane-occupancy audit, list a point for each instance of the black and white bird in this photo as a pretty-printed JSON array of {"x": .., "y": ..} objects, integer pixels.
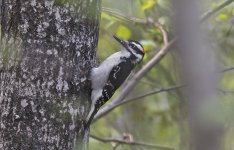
[{"x": 108, "y": 77}]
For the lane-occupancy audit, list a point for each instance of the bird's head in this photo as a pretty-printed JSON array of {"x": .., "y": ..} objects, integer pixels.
[{"x": 134, "y": 47}]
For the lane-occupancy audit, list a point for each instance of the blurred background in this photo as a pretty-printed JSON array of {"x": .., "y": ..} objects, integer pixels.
[{"x": 160, "y": 118}]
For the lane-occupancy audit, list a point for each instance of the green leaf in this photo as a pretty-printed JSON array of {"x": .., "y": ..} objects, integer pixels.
[
  {"x": 148, "y": 4},
  {"x": 148, "y": 44},
  {"x": 123, "y": 32},
  {"x": 222, "y": 17}
]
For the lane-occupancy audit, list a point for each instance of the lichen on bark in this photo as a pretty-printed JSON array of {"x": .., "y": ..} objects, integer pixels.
[{"x": 44, "y": 89}]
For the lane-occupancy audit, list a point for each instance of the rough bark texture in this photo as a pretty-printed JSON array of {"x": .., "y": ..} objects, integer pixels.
[{"x": 44, "y": 89}]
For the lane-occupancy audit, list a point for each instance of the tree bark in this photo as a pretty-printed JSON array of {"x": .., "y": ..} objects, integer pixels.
[{"x": 47, "y": 50}]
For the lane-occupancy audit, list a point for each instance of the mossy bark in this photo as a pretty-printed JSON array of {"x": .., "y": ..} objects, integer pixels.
[{"x": 47, "y": 50}]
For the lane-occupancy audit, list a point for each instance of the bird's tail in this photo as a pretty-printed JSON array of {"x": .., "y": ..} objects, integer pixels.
[{"x": 90, "y": 117}]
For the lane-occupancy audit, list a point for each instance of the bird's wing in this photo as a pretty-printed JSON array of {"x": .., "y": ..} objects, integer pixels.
[{"x": 117, "y": 76}]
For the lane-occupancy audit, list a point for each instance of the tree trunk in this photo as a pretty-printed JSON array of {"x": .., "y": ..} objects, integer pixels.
[
  {"x": 47, "y": 50},
  {"x": 198, "y": 68}
]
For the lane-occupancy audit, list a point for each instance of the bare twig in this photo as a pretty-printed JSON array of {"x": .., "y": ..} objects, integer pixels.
[
  {"x": 149, "y": 93},
  {"x": 164, "y": 34},
  {"x": 204, "y": 17},
  {"x": 228, "y": 69},
  {"x": 132, "y": 83},
  {"x": 161, "y": 90},
  {"x": 120, "y": 141},
  {"x": 148, "y": 21},
  {"x": 226, "y": 91},
  {"x": 209, "y": 13},
  {"x": 119, "y": 15}
]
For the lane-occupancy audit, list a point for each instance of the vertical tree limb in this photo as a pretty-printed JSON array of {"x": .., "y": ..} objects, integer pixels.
[
  {"x": 200, "y": 74},
  {"x": 44, "y": 93}
]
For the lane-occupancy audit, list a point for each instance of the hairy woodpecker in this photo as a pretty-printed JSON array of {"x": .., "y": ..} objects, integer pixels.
[{"x": 108, "y": 77}]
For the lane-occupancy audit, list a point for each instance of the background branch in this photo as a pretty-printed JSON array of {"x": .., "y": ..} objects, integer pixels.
[
  {"x": 228, "y": 69},
  {"x": 148, "y": 21},
  {"x": 209, "y": 13},
  {"x": 120, "y": 141},
  {"x": 156, "y": 91}
]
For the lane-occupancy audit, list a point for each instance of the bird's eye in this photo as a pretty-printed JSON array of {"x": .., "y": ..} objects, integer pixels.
[{"x": 132, "y": 45}]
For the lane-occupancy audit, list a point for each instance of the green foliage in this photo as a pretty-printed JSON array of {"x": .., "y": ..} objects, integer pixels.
[
  {"x": 161, "y": 118},
  {"x": 148, "y": 44},
  {"x": 123, "y": 32},
  {"x": 222, "y": 17},
  {"x": 148, "y": 4}
]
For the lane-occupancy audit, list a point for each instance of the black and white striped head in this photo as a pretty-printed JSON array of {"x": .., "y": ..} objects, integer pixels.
[{"x": 134, "y": 47}]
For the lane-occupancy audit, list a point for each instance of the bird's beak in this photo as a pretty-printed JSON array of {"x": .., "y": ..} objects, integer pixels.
[{"x": 122, "y": 42}]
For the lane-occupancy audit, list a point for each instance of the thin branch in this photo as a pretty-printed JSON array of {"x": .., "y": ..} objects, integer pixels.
[
  {"x": 119, "y": 15},
  {"x": 132, "y": 83},
  {"x": 204, "y": 17},
  {"x": 228, "y": 69},
  {"x": 164, "y": 34},
  {"x": 148, "y": 21},
  {"x": 163, "y": 31},
  {"x": 209, "y": 13},
  {"x": 120, "y": 141},
  {"x": 226, "y": 91},
  {"x": 161, "y": 90},
  {"x": 156, "y": 91}
]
